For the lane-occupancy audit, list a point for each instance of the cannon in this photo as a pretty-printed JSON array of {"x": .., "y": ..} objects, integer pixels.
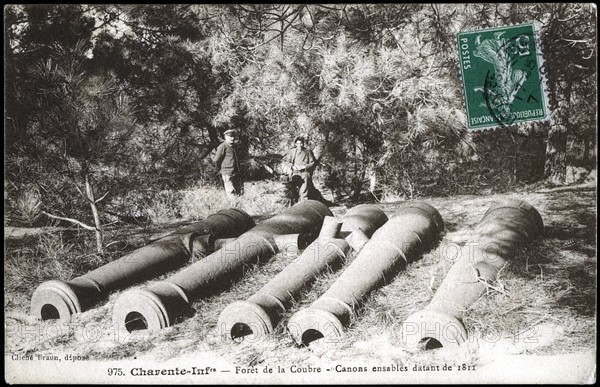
[
  {"x": 165, "y": 303},
  {"x": 260, "y": 314},
  {"x": 410, "y": 232},
  {"x": 60, "y": 299},
  {"x": 504, "y": 229}
]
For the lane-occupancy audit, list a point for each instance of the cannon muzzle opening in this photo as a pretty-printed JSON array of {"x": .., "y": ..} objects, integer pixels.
[
  {"x": 243, "y": 319},
  {"x": 152, "y": 309},
  {"x": 429, "y": 329},
  {"x": 57, "y": 300},
  {"x": 310, "y": 325}
]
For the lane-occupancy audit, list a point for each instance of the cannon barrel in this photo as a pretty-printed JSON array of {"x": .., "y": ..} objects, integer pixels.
[
  {"x": 503, "y": 231},
  {"x": 165, "y": 303},
  {"x": 60, "y": 299},
  {"x": 410, "y": 232},
  {"x": 260, "y": 314}
]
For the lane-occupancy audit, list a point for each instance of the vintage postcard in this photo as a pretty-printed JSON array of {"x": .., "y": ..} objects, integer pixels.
[{"x": 300, "y": 193}]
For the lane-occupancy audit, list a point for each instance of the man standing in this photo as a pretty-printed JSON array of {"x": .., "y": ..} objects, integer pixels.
[
  {"x": 302, "y": 162},
  {"x": 226, "y": 159}
]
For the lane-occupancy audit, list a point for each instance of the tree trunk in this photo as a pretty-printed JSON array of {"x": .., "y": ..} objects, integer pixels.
[
  {"x": 372, "y": 178},
  {"x": 586, "y": 150},
  {"x": 97, "y": 223},
  {"x": 214, "y": 141},
  {"x": 356, "y": 181},
  {"x": 555, "y": 168}
]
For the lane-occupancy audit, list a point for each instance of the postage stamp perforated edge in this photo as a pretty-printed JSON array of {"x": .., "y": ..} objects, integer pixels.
[{"x": 542, "y": 75}]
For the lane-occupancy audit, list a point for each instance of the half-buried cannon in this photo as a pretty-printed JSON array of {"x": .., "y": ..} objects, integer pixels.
[
  {"x": 163, "y": 304},
  {"x": 410, "y": 232},
  {"x": 59, "y": 299},
  {"x": 260, "y": 314},
  {"x": 504, "y": 230}
]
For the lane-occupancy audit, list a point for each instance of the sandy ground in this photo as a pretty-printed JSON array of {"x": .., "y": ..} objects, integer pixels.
[{"x": 556, "y": 323}]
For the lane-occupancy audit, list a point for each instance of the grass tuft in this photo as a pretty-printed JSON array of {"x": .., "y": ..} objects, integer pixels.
[
  {"x": 28, "y": 207},
  {"x": 197, "y": 202}
]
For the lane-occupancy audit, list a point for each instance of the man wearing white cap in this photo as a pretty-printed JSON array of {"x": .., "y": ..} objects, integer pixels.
[{"x": 226, "y": 159}]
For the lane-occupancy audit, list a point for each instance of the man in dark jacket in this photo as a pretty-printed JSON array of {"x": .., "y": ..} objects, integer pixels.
[
  {"x": 301, "y": 162},
  {"x": 226, "y": 158}
]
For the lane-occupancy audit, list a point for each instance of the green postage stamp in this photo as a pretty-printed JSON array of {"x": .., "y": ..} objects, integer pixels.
[{"x": 501, "y": 76}]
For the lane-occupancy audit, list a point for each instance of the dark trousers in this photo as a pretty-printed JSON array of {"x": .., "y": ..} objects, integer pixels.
[{"x": 302, "y": 181}]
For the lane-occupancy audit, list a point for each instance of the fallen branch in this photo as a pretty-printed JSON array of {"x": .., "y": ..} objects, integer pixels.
[{"x": 70, "y": 220}]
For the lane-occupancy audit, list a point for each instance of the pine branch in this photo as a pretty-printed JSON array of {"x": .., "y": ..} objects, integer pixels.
[{"x": 102, "y": 198}]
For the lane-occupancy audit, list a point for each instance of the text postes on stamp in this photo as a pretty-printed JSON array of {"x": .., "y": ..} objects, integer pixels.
[{"x": 501, "y": 76}]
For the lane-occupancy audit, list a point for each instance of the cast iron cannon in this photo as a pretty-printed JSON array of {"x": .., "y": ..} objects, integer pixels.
[
  {"x": 60, "y": 299},
  {"x": 261, "y": 313},
  {"x": 410, "y": 232},
  {"x": 504, "y": 230},
  {"x": 167, "y": 302}
]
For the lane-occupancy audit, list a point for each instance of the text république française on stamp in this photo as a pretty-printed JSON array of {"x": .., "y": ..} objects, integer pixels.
[{"x": 502, "y": 76}]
